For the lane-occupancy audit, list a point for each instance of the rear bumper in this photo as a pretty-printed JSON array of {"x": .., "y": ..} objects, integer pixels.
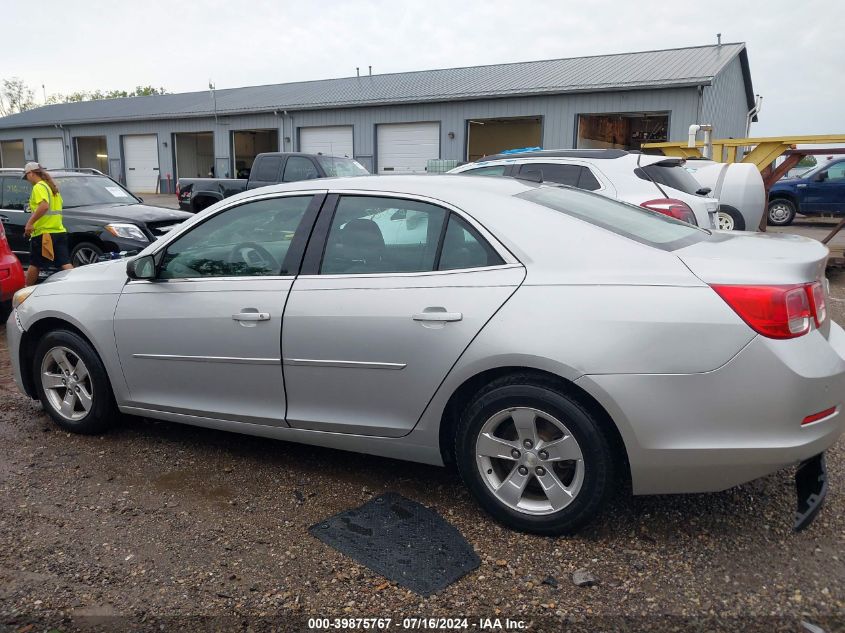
[
  {"x": 710, "y": 431},
  {"x": 11, "y": 277}
]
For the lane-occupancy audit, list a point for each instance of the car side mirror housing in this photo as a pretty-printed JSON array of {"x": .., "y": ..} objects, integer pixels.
[
  {"x": 821, "y": 177},
  {"x": 141, "y": 268}
]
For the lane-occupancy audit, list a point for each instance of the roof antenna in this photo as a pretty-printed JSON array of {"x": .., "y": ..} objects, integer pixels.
[
  {"x": 357, "y": 72},
  {"x": 371, "y": 71},
  {"x": 718, "y": 39}
]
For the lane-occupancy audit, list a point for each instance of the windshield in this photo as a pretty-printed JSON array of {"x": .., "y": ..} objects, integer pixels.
[
  {"x": 80, "y": 191},
  {"x": 335, "y": 166},
  {"x": 627, "y": 220},
  {"x": 671, "y": 174}
]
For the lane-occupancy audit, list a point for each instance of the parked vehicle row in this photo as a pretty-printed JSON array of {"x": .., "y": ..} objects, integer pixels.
[
  {"x": 100, "y": 215},
  {"x": 653, "y": 182},
  {"x": 551, "y": 343},
  {"x": 196, "y": 194}
]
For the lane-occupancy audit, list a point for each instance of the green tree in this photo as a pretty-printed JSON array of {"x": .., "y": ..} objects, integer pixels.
[
  {"x": 15, "y": 96},
  {"x": 86, "y": 95}
]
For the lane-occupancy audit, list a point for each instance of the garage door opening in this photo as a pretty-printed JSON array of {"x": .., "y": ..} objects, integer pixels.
[
  {"x": 247, "y": 144},
  {"x": 91, "y": 152},
  {"x": 486, "y": 137},
  {"x": 193, "y": 154},
  {"x": 11, "y": 154},
  {"x": 628, "y": 130}
]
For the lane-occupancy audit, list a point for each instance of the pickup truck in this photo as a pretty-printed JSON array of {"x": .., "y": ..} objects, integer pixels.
[
  {"x": 195, "y": 194},
  {"x": 820, "y": 190}
]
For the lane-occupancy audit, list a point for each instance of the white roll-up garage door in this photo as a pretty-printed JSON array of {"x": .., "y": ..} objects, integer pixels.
[
  {"x": 406, "y": 148},
  {"x": 141, "y": 156},
  {"x": 50, "y": 152},
  {"x": 330, "y": 140}
]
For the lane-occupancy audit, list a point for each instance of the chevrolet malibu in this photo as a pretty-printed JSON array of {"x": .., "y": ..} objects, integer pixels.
[{"x": 551, "y": 343}]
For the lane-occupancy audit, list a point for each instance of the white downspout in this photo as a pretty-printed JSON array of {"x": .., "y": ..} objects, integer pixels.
[{"x": 707, "y": 152}]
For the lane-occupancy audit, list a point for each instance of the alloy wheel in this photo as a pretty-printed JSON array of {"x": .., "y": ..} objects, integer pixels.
[
  {"x": 66, "y": 383},
  {"x": 529, "y": 460},
  {"x": 726, "y": 222},
  {"x": 85, "y": 256}
]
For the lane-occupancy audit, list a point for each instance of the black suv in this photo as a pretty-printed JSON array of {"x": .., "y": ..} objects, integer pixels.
[{"x": 100, "y": 214}]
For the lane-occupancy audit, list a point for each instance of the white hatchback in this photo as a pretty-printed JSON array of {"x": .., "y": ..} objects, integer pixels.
[{"x": 653, "y": 182}]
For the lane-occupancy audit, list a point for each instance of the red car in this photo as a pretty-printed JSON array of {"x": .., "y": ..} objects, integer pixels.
[{"x": 11, "y": 276}]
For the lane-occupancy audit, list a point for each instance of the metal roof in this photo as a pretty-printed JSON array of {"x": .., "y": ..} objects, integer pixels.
[{"x": 668, "y": 68}]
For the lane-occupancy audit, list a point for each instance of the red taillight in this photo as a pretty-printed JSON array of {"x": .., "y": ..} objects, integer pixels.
[
  {"x": 673, "y": 208},
  {"x": 774, "y": 311},
  {"x": 816, "y": 293},
  {"x": 821, "y": 415}
]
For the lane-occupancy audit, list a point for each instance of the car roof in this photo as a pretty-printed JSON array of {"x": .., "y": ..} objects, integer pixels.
[
  {"x": 82, "y": 171},
  {"x": 603, "y": 154}
]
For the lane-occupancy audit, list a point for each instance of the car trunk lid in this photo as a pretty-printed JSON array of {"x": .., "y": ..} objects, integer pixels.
[{"x": 757, "y": 260}]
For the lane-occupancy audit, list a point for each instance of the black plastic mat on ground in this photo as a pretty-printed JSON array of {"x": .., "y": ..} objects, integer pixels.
[{"x": 402, "y": 540}]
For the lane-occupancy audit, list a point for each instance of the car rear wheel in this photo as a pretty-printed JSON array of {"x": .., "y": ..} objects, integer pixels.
[
  {"x": 533, "y": 457},
  {"x": 72, "y": 383},
  {"x": 85, "y": 253},
  {"x": 781, "y": 212},
  {"x": 730, "y": 219}
]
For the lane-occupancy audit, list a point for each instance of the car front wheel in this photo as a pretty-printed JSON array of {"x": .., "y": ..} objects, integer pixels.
[
  {"x": 72, "y": 383},
  {"x": 85, "y": 253},
  {"x": 781, "y": 212},
  {"x": 533, "y": 457}
]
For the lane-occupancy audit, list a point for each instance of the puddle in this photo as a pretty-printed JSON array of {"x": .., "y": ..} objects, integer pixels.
[{"x": 192, "y": 485}]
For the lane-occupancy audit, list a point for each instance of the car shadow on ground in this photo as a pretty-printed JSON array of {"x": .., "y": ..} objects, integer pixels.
[{"x": 764, "y": 504}]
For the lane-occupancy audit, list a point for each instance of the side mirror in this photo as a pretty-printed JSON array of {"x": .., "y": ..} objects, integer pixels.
[
  {"x": 821, "y": 176},
  {"x": 141, "y": 268}
]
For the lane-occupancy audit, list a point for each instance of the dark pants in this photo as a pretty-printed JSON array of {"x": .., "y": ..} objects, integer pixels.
[{"x": 60, "y": 252}]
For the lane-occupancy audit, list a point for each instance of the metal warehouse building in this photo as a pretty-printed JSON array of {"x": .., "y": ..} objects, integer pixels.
[{"x": 394, "y": 123}]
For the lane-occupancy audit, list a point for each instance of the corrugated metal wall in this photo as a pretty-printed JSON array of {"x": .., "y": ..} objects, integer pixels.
[
  {"x": 724, "y": 104},
  {"x": 559, "y": 119}
]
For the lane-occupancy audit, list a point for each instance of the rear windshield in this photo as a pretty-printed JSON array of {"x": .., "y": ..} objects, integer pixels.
[
  {"x": 335, "y": 166},
  {"x": 627, "y": 220},
  {"x": 670, "y": 174}
]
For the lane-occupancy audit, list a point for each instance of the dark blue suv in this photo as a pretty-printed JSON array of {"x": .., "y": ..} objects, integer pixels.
[{"x": 820, "y": 190}]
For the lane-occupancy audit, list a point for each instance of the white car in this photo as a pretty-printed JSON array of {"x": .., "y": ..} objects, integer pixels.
[
  {"x": 739, "y": 188},
  {"x": 653, "y": 182}
]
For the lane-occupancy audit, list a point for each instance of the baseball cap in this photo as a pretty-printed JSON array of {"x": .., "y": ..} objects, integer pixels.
[{"x": 30, "y": 167}]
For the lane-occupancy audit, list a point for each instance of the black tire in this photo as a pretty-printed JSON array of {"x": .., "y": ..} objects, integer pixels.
[
  {"x": 5, "y": 311},
  {"x": 85, "y": 253},
  {"x": 525, "y": 390},
  {"x": 734, "y": 218},
  {"x": 103, "y": 411},
  {"x": 781, "y": 212}
]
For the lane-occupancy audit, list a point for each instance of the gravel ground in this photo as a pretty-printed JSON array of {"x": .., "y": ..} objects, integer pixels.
[{"x": 153, "y": 525}]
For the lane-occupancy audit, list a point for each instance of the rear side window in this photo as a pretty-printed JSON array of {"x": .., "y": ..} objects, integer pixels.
[
  {"x": 299, "y": 168},
  {"x": 15, "y": 194},
  {"x": 588, "y": 180},
  {"x": 552, "y": 172},
  {"x": 671, "y": 174},
  {"x": 267, "y": 169},
  {"x": 463, "y": 247},
  {"x": 493, "y": 170},
  {"x": 627, "y": 220}
]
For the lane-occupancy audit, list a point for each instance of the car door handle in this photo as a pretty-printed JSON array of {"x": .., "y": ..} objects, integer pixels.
[
  {"x": 4, "y": 219},
  {"x": 438, "y": 315},
  {"x": 801, "y": 186},
  {"x": 251, "y": 316}
]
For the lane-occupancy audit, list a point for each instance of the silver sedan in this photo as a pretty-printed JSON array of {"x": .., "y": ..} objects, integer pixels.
[{"x": 551, "y": 343}]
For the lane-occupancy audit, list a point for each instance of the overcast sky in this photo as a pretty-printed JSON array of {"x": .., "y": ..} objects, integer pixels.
[{"x": 794, "y": 47}]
